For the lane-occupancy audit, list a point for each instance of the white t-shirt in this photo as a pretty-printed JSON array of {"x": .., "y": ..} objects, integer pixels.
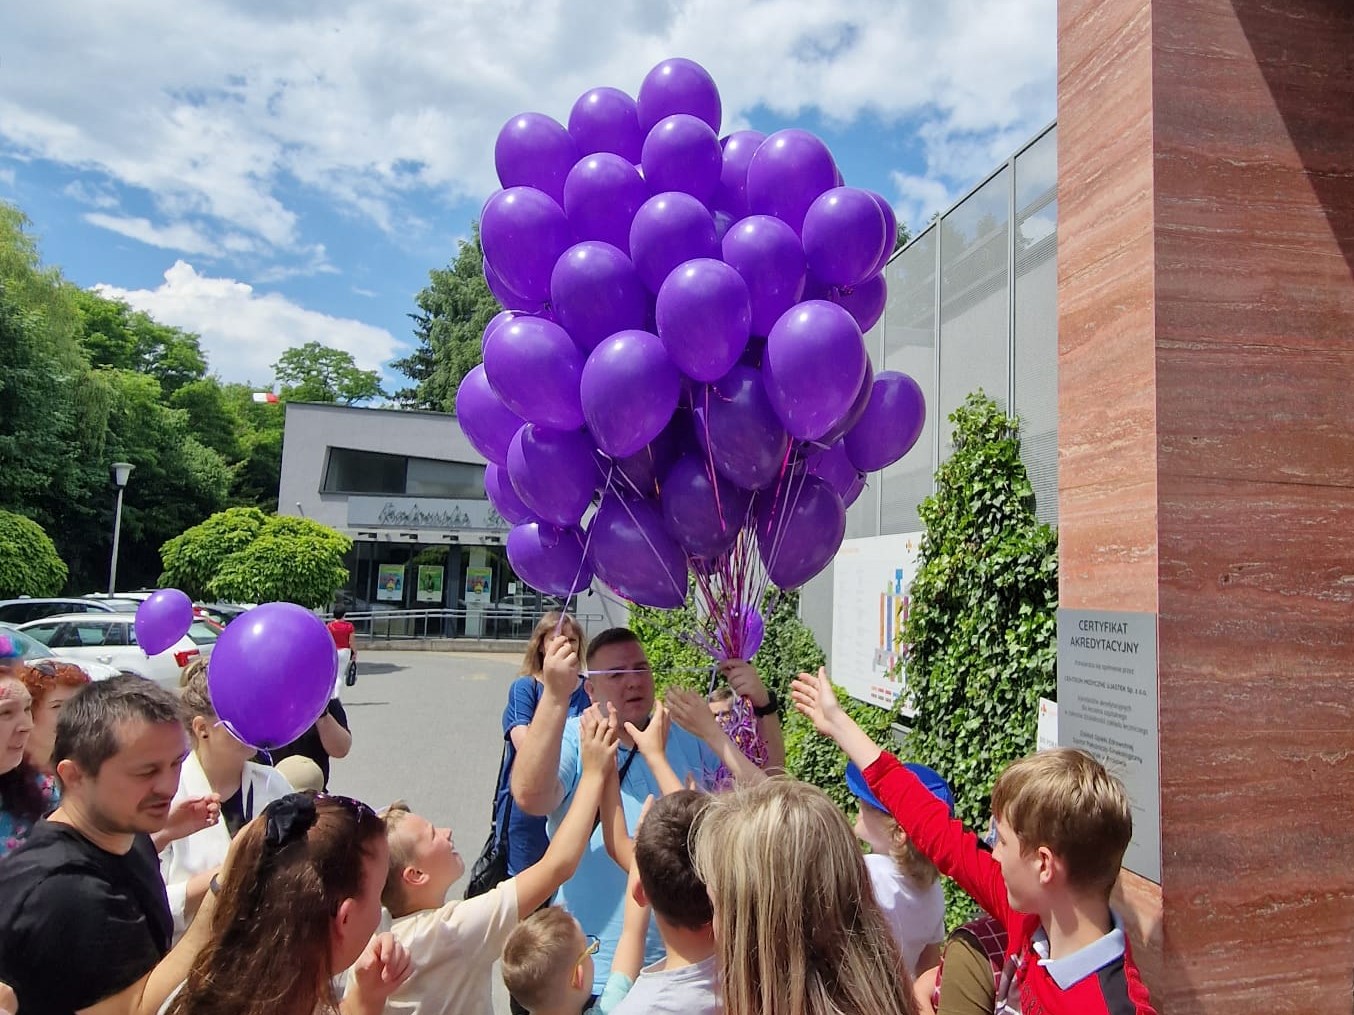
[
  {"x": 916, "y": 915},
  {"x": 690, "y": 990},
  {"x": 453, "y": 950}
]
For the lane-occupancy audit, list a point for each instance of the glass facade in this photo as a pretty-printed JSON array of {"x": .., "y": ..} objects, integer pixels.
[{"x": 371, "y": 472}]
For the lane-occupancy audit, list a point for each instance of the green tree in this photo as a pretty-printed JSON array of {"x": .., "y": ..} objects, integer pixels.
[
  {"x": 29, "y": 563},
  {"x": 195, "y": 556},
  {"x": 115, "y": 335},
  {"x": 317, "y": 373},
  {"x": 981, "y": 626},
  {"x": 453, "y": 309}
]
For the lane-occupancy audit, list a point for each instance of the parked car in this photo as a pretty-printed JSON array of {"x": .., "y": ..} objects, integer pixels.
[
  {"x": 21, "y": 611},
  {"x": 110, "y": 638},
  {"x": 30, "y": 649},
  {"x": 221, "y": 613}
]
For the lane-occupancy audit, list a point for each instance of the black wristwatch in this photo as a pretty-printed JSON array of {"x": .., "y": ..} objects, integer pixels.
[{"x": 772, "y": 706}]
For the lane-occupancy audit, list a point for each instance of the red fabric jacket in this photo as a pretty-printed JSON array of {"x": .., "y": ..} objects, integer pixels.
[
  {"x": 1115, "y": 989},
  {"x": 342, "y": 632}
]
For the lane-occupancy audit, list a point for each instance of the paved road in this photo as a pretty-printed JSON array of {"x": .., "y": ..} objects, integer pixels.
[{"x": 427, "y": 729}]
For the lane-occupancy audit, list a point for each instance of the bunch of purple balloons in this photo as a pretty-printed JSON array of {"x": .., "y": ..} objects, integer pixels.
[{"x": 681, "y": 346}]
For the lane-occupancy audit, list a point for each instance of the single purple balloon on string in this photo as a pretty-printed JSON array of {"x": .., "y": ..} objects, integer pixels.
[
  {"x": 891, "y": 423},
  {"x": 787, "y": 173},
  {"x": 739, "y": 429},
  {"x": 731, "y": 196},
  {"x": 271, "y": 674},
  {"x": 601, "y": 196},
  {"x": 631, "y": 552},
  {"x": 535, "y": 368},
  {"x": 554, "y": 473},
  {"x": 629, "y": 391},
  {"x": 704, "y": 316},
  {"x": 534, "y": 150},
  {"x": 767, "y": 253},
  {"x": 864, "y": 302},
  {"x": 487, "y": 423},
  {"x": 799, "y": 529},
  {"x": 606, "y": 120},
  {"x": 814, "y": 362},
  {"x": 742, "y": 635},
  {"x": 681, "y": 153},
  {"x": 668, "y": 229},
  {"x": 595, "y": 292},
  {"x": 549, "y": 558},
  {"x": 523, "y": 233},
  {"x": 844, "y": 233},
  {"x": 498, "y": 488},
  {"x": 679, "y": 86},
  {"x": 162, "y": 619},
  {"x": 704, "y": 517}
]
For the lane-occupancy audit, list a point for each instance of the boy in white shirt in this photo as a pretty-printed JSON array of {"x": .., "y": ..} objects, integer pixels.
[{"x": 454, "y": 945}]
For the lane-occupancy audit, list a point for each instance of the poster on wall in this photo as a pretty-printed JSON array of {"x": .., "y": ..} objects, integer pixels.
[
  {"x": 430, "y": 578},
  {"x": 871, "y": 582},
  {"x": 390, "y": 583},
  {"x": 477, "y": 584}
]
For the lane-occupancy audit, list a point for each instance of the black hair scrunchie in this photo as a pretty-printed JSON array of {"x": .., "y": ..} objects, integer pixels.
[{"x": 288, "y": 818}]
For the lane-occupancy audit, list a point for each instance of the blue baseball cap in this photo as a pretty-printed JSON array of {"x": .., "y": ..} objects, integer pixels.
[{"x": 930, "y": 778}]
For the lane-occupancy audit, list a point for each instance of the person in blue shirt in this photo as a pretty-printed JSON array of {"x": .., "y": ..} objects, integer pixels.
[
  {"x": 527, "y": 838},
  {"x": 620, "y": 683}
]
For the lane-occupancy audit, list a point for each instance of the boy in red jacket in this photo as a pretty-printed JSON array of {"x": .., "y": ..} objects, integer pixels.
[{"x": 1062, "y": 825}]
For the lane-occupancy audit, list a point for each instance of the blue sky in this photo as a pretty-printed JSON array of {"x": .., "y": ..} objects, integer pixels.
[{"x": 271, "y": 174}]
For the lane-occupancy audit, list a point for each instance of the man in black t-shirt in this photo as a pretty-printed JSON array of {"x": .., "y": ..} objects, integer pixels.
[
  {"x": 84, "y": 919},
  {"x": 327, "y": 738}
]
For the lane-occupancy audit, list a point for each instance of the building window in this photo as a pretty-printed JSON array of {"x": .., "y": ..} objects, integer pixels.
[
  {"x": 429, "y": 477},
  {"x": 350, "y": 471}
]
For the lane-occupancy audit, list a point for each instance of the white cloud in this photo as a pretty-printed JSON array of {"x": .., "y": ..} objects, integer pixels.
[
  {"x": 244, "y": 331},
  {"x": 214, "y": 110},
  {"x": 6, "y": 176},
  {"x": 178, "y": 236},
  {"x": 92, "y": 194}
]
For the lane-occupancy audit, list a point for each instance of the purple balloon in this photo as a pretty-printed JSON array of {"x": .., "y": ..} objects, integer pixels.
[
  {"x": 788, "y": 171},
  {"x": 766, "y": 252},
  {"x": 629, "y": 391},
  {"x": 890, "y": 228},
  {"x": 704, "y": 315},
  {"x": 595, "y": 293},
  {"x": 534, "y": 150},
  {"x": 601, "y": 196},
  {"x": 524, "y": 233},
  {"x": 669, "y": 229},
  {"x": 503, "y": 497},
  {"x": 682, "y": 153},
  {"x": 736, "y": 422},
  {"x": 271, "y": 674},
  {"x": 162, "y": 619},
  {"x": 679, "y": 86},
  {"x": 535, "y": 368},
  {"x": 814, "y": 362},
  {"x": 844, "y": 233},
  {"x": 507, "y": 299},
  {"x": 632, "y": 553},
  {"x": 639, "y": 474},
  {"x": 834, "y": 468},
  {"x": 865, "y": 302},
  {"x": 743, "y": 635},
  {"x": 554, "y": 473},
  {"x": 704, "y": 517},
  {"x": 487, "y": 423},
  {"x": 606, "y": 120},
  {"x": 731, "y": 195},
  {"x": 891, "y": 423},
  {"x": 548, "y": 558},
  {"x": 799, "y": 530},
  {"x": 839, "y": 430}
]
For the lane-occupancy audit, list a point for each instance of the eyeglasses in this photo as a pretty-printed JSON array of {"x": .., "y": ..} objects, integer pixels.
[{"x": 594, "y": 943}]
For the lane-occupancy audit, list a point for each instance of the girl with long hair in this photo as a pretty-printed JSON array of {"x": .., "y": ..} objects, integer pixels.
[
  {"x": 797, "y": 929},
  {"x": 298, "y": 904},
  {"x": 219, "y": 769}
]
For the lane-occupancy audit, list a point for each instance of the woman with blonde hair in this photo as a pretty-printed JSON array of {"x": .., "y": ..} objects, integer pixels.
[{"x": 797, "y": 929}]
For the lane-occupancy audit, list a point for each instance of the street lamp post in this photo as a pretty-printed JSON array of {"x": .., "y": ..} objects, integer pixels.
[{"x": 121, "y": 472}]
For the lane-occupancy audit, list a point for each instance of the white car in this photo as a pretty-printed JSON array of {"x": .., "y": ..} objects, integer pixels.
[
  {"x": 32, "y": 650},
  {"x": 110, "y": 639}
]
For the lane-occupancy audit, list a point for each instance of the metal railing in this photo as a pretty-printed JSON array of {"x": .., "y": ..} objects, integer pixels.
[{"x": 488, "y": 624}]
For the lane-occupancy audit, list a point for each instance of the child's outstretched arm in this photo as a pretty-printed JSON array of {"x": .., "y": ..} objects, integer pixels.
[
  {"x": 652, "y": 744},
  {"x": 692, "y": 713},
  {"x": 629, "y": 958},
  {"x": 597, "y": 743},
  {"x": 817, "y": 701}
]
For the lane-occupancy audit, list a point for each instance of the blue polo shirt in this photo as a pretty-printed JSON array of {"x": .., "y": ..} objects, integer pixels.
[{"x": 596, "y": 893}]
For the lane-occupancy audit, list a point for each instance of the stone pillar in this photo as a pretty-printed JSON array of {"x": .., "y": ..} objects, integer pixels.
[{"x": 1206, "y": 439}]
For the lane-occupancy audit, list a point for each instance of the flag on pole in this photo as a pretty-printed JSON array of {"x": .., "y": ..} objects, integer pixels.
[{"x": 265, "y": 396}]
